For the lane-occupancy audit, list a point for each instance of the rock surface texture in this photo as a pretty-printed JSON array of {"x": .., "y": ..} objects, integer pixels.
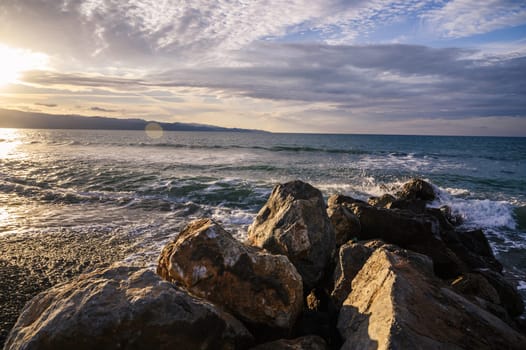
[
  {"x": 294, "y": 222},
  {"x": 123, "y": 308},
  {"x": 346, "y": 225},
  {"x": 259, "y": 288},
  {"x": 397, "y": 303},
  {"x": 311, "y": 342}
]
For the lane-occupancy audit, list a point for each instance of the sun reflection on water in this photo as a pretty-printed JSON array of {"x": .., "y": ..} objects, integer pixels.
[{"x": 9, "y": 141}]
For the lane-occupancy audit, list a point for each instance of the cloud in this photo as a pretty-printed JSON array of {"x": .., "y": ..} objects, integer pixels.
[
  {"x": 461, "y": 18},
  {"x": 389, "y": 81},
  {"x": 100, "y": 109},
  {"x": 50, "y": 105}
]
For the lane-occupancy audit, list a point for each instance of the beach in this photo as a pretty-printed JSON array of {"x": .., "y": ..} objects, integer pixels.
[{"x": 73, "y": 200}]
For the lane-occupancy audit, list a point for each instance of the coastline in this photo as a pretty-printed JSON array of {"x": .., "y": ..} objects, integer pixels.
[{"x": 32, "y": 263}]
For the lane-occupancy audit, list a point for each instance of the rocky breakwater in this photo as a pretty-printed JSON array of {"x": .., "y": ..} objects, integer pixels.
[{"x": 389, "y": 273}]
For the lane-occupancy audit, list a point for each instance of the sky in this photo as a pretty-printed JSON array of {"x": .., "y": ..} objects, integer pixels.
[{"x": 326, "y": 66}]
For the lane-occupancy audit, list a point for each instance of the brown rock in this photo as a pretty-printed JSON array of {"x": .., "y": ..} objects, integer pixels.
[
  {"x": 510, "y": 298},
  {"x": 384, "y": 201},
  {"x": 397, "y": 304},
  {"x": 475, "y": 285},
  {"x": 395, "y": 226},
  {"x": 123, "y": 308},
  {"x": 311, "y": 342},
  {"x": 294, "y": 222},
  {"x": 260, "y": 288},
  {"x": 351, "y": 258},
  {"x": 417, "y": 189},
  {"x": 346, "y": 225}
]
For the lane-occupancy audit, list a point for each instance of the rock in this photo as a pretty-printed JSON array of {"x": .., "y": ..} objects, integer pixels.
[
  {"x": 395, "y": 226},
  {"x": 417, "y": 189},
  {"x": 351, "y": 258},
  {"x": 294, "y": 222},
  {"x": 510, "y": 298},
  {"x": 311, "y": 342},
  {"x": 259, "y": 288},
  {"x": 472, "y": 247},
  {"x": 384, "y": 201},
  {"x": 123, "y": 308},
  {"x": 395, "y": 303},
  {"x": 475, "y": 285},
  {"x": 346, "y": 225}
]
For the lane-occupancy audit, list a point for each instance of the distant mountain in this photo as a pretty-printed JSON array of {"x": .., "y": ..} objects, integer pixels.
[{"x": 31, "y": 120}]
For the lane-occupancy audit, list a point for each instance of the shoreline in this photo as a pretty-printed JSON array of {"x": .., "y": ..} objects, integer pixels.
[{"x": 32, "y": 263}]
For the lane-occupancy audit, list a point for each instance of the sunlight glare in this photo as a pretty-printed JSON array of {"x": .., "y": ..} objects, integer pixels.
[
  {"x": 16, "y": 61},
  {"x": 9, "y": 140}
]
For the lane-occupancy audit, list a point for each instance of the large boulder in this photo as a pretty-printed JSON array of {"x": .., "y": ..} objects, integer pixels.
[
  {"x": 346, "y": 225},
  {"x": 261, "y": 289},
  {"x": 473, "y": 248},
  {"x": 397, "y": 303},
  {"x": 294, "y": 222},
  {"x": 351, "y": 258},
  {"x": 395, "y": 226},
  {"x": 510, "y": 297},
  {"x": 418, "y": 232},
  {"x": 123, "y": 308},
  {"x": 417, "y": 189},
  {"x": 310, "y": 342}
]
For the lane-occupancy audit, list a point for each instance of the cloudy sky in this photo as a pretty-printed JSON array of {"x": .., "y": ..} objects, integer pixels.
[{"x": 336, "y": 66}]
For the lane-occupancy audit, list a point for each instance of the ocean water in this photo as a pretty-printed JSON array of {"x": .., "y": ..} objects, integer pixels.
[{"x": 128, "y": 183}]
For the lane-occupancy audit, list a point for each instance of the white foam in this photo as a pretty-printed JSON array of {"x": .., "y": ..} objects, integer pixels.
[{"x": 483, "y": 213}]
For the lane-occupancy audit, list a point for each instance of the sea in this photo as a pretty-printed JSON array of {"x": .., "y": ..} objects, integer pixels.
[{"x": 148, "y": 185}]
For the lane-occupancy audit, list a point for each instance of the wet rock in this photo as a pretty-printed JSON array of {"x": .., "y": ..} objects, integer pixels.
[
  {"x": 417, "y": 189},
  {"x": 351, "y": 258},
  {"x": 123, "y": 308},
  {"x": 397, "y": 304},
  {"x": 294, "y": 222},
  {"x": 311, "y": 342},
  {"x": 346, "y": 225},
  {"x": 261, "y": 289}
]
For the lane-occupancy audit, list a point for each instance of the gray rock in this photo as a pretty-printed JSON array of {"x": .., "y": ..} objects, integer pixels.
[
  {"x": 397, "y": 303},
  {"x": 261, "y": 289},
  {"x": 294, "y": 222},
  {"x": 123, "y": 308}
]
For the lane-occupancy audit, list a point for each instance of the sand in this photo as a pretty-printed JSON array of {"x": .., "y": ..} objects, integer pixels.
[{"x": 32, "y": 263}]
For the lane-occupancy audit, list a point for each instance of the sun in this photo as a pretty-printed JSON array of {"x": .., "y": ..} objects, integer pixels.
[{"x": 15, "y": 61}]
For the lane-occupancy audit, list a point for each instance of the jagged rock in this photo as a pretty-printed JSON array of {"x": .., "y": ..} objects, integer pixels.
[
  {"x": 123, "y": 308},
  {"x": 294, "y": 222},
  {"x": 351, "y": 258},
  {"x": 472, "y": 247},
  {"x": 384, "y": 201},
  {"x": 397, "y": 304},
  {"x": 417, "y": 189},
  {"x": 395, "y": 226},
  {"x": 261, "y": 289},
  {"x": 510, "y": 298},
  {"x": 474, "y": 284},
  {"x": 346, "y": 225},
  {"x": 311, "y": 342}
]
